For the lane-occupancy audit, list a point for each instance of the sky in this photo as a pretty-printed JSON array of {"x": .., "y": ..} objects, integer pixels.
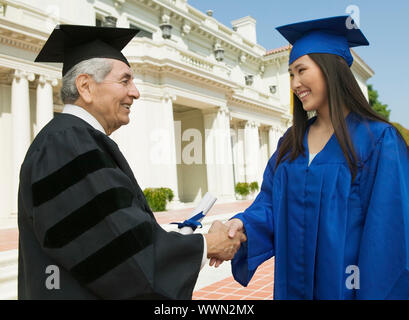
[{"x": 384, "y": 23}]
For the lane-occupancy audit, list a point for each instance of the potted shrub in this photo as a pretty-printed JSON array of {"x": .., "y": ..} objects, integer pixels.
[
  {"x": 254, "y": 188},
  {"x": 157, "y": 198},
  {"x": 242, "y": 189}
]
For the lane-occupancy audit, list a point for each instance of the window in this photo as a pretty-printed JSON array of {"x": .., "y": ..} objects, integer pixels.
[
  {"x": 98, "y": 21},
  {"x": 141, "y": 33}
]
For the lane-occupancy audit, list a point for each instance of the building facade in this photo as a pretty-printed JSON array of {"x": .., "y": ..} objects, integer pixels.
[{"x": 213, "y": 101}]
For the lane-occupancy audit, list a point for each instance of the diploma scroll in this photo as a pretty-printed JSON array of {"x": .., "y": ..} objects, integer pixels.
[{"x": 190, "y": 225}]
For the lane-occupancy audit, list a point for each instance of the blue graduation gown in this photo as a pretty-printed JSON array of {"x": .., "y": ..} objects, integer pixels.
[{"x": 323, "y": 230}]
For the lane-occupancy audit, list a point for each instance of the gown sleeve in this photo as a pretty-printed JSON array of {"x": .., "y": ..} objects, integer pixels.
[
  {"x": 384, "y": 250},
  {"x": 90, "y": 218},
  {"x": 258, "y": 224}
]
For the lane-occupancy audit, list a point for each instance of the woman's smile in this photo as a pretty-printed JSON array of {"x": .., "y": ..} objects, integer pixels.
[{"x": 303, "y": 95}]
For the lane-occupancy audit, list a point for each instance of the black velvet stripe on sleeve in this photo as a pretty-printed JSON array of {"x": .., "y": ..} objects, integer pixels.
[
  {"x": 113, "y": 254},
  {"x": 68, "y": 175},
  {"x": 87, "y": 216}
]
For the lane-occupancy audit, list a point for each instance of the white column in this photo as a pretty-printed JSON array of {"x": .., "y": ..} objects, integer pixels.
[
  {"x": 148, "y": 141},
  {"x": 274, "y": 134},
  {"x": 240, "y": 152},
  {"x": 45, "y": 104},
  {"x": 235, "y": 147},
  {"x": 251, "y": 150},
  {"x": 21, "y": 135},
  {"x": 218, "y": 151},
  {"x": 170, "y": 168},
  {"x": 271, "y": 141},
  {"x": 263, "y": 153}
]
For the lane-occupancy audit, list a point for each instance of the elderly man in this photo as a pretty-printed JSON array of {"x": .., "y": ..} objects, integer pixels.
[{"x": 81, "y": 212}]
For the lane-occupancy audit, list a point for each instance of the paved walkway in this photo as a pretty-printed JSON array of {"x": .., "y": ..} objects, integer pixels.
[
  {"x": 213, "y": 283},
  {"x": 8, "y": 239},
  {"x": 217, "y": 209},
  {"x": 259, "y": 288}
]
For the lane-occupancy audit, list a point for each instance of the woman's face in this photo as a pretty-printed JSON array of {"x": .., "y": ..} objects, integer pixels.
[{"x": 308, "y": 83}]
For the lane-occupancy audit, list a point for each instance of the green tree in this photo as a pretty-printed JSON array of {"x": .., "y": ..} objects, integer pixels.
[
  {"x": 380, "y": 108},
  {"x": 403, "y": 131}
]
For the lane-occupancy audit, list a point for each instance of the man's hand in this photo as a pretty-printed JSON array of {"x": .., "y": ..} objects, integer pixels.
[
  {"x": 223, "y": 240},
  {"x": 233, "y": 226}
]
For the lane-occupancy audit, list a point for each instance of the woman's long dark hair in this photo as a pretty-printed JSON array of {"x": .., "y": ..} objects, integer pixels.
[{"x": 343, "y": 90}]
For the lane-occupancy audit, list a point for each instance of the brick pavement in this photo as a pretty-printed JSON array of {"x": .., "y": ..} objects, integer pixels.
[
  {"x": 260, "y": 287},
  {"x": 182, "y": 214},
  {"x": 8, "y": 239}
]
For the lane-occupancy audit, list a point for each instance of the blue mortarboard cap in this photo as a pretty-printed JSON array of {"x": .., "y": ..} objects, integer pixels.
[{"x": 333, "y": 35}]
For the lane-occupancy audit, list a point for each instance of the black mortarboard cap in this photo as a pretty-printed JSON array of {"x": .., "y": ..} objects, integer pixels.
[{"x": 71, "y": 44}]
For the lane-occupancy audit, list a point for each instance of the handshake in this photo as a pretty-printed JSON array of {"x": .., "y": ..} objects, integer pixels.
[{"x": 224, "y": 240}]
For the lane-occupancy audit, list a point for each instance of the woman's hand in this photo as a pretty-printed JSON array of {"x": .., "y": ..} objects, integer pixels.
[{"x": 234, "y": 226}]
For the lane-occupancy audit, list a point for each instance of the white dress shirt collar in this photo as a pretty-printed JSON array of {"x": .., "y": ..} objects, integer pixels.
[{"x": 84, "y": 115}]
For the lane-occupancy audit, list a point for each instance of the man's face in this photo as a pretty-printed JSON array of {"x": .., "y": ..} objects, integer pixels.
[{"x": 113, "y": 97}]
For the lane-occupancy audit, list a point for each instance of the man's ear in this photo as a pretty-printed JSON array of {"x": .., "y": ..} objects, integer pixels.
[{"x": 85, "y": 87}]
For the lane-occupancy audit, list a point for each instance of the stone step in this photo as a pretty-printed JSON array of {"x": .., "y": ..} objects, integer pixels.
[
  {"x": 8, "y": 274},
  {"x": 8, "y": 257},
  {"x": 8, "y": 290}
]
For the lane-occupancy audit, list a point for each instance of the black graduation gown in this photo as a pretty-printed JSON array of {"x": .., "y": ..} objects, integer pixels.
[{"x": 81, "y": 209}]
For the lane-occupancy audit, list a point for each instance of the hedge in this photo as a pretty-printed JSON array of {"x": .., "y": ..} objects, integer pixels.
[
  {"x": 254, "y": 186},
  {"x": 158, "y": 197},
  {"x": 244, "y": 188},
  {"x": 404, "y": 132}
]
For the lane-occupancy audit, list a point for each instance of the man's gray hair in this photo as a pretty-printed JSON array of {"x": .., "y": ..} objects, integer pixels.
[{"x": 97, "y": 68}]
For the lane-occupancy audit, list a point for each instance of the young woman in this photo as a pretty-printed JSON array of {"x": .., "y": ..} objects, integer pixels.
[{"x": 334, "y": 203}]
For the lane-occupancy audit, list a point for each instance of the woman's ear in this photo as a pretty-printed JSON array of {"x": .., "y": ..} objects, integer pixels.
[{"x": 85, "y": 87}]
